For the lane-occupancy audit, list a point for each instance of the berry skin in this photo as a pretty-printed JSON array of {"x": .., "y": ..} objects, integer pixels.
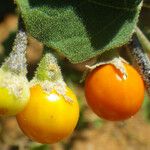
[
  {"x": 111, "y": 96},
  {"x": 48, "y": 117}
]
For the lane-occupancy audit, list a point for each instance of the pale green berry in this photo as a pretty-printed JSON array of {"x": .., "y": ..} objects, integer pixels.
[{"x": 14, "y": 93}]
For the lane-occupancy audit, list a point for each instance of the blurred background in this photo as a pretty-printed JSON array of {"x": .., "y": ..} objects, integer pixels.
[{"x": 92, "y": 133}]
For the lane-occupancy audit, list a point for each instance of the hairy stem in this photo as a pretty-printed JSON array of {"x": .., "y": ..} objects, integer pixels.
[{"x": 141, "y": 59}]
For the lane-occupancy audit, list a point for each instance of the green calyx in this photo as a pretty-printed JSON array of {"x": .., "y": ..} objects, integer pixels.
[
  {"x": 49, "y": 77},
  {"x": 48, "y": 69}
]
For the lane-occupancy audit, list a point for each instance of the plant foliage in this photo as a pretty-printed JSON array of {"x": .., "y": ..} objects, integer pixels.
[{"x": 80, "y": 29}]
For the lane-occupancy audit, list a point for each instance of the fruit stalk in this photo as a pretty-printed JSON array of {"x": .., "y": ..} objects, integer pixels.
[
  {"x": 141, "y": 59},
  {"x": 143, "y": 40}
]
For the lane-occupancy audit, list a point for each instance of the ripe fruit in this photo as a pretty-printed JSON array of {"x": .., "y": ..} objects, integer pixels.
[
  {"x": 48, "y": 117},
  {"x": 52, "y": 112},
  {"x": 110, "y": 95}
]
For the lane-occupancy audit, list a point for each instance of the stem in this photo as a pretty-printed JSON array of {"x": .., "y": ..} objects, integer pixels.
[
  {"x": 141, "y": 59},
  {"x": 146, "y": 5},
  {"x": 48, "y": 69},
  {"x": 143, "y": 40},
  {"x": 16, "y": 62}
]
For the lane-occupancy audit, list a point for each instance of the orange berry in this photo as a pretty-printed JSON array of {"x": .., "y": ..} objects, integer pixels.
[
  {"x": 110, "y": 95},
  {"x": 48, "y": 117}
]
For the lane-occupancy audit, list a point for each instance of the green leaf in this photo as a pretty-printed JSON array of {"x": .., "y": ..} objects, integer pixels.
[{"x": 80, "y": 29}]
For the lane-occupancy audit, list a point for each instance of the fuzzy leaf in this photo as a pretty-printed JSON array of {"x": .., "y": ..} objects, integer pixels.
[{"x": 80, "y": 29}]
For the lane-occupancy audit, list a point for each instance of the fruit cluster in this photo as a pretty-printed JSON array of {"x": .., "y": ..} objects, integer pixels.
[{"x": 47, "y": 110}]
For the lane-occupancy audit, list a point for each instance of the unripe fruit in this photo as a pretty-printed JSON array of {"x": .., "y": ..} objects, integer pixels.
[{"x": 14, "y": 93}]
